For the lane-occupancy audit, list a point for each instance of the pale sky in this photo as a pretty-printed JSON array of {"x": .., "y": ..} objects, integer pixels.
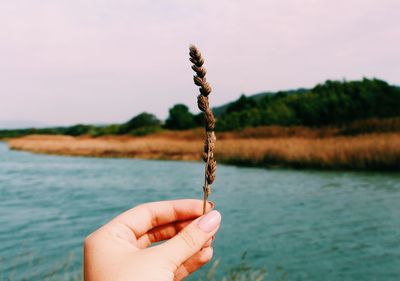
[{"x": 80, "y": 61}]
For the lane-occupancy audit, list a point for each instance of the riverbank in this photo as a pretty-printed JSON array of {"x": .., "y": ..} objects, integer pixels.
[{"x": 362, "y": 152}]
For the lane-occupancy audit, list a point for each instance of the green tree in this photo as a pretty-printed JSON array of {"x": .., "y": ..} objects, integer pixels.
[
  {"x": 140, "y": 121},
  {"x": 180, "y": 118},
  {"x": 243, "y": 103},
  {"x": 112, "y": 129},
  {"x": 331, "y": 103},
  {"x": 78, "y": 130},
  {"x": 199, "y": 119}
]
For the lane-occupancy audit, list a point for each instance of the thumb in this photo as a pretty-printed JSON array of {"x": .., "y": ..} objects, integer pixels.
[{"x": 191, "y": 239}]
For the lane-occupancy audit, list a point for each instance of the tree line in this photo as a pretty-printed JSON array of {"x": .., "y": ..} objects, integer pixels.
[{"x": 333, "y": 103}]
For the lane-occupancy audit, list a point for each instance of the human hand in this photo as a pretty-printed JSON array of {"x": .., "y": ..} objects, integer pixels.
[{"x": 120, "y": 251}]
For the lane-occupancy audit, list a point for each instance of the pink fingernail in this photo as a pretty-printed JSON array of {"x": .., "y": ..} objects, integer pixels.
[{"x": 210, "y": 221}]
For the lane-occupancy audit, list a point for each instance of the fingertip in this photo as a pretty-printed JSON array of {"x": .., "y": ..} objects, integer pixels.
[
  {"x": 206, "y": 255},
  {"x": 208, "y": 243},
  {"x": 210, "y": 222},
  {"x": 208, "y": 250}
]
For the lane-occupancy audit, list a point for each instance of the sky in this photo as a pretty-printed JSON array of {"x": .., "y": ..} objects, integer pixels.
[{"x": 104, "y": 61}]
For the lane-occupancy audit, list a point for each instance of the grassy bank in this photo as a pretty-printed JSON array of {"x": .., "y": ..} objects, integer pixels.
[{"x": 262, "y": 147}]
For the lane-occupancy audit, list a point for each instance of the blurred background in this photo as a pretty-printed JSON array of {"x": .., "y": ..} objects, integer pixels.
[{"x": 306, "y": 96}]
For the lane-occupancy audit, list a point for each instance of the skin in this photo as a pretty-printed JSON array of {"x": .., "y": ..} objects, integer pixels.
[{"x": 120, "y": 250}]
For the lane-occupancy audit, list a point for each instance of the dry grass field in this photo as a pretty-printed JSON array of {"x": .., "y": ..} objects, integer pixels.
[{"x": 361, "y": 152}]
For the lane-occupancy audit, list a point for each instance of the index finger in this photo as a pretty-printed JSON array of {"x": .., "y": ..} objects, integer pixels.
[{"x": 147, "y": 216}]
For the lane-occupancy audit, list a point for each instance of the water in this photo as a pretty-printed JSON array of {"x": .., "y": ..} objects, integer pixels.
[{"x": 310, "y": 225}]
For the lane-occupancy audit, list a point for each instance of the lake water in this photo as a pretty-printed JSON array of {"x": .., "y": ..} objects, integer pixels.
[{"x": 307, "y": 225}]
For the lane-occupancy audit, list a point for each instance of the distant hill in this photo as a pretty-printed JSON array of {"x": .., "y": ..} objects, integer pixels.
[
  {"x": 333, "y": 103},
  {"x": 219, "y": 110}
]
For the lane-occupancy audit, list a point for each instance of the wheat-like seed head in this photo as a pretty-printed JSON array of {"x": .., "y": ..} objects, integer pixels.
[{"x": 202, "y": 101}]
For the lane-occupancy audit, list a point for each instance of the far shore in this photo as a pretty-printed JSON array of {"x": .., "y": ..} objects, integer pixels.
[{"x": 361, "y": 152}]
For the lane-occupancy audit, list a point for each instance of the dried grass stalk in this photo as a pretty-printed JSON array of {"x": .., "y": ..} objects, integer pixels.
[{"x": 203, "y": 104}]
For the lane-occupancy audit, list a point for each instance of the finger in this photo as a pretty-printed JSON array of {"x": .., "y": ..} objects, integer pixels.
[
  {"x": 147, "y": 216},
  {"x": 161, "y": 233},
  {"x": 164, "y": 232},
  {"x": 190, "y": 240},
  {"x": 194, "y": 263},
  {"x": 208, "y": 243}
]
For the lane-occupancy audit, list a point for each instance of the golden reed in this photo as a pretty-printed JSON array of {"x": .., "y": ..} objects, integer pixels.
[{"x": 362, "y": 152}]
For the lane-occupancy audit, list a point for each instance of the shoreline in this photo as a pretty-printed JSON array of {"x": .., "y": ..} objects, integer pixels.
[{"x": 369, "y": 152}]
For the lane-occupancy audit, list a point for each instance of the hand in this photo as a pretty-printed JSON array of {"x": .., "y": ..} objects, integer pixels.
[{"x": 119, "y": 251}]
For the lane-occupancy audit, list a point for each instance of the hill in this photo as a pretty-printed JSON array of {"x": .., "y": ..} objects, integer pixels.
[
  {"x": 219, "y": 110},
  {"x": 333, "y": 103}
]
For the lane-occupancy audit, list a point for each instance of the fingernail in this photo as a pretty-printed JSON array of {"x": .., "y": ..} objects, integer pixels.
[
  {"x": 211, "y": 204},
  {"x": 210, "y": 221}
]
